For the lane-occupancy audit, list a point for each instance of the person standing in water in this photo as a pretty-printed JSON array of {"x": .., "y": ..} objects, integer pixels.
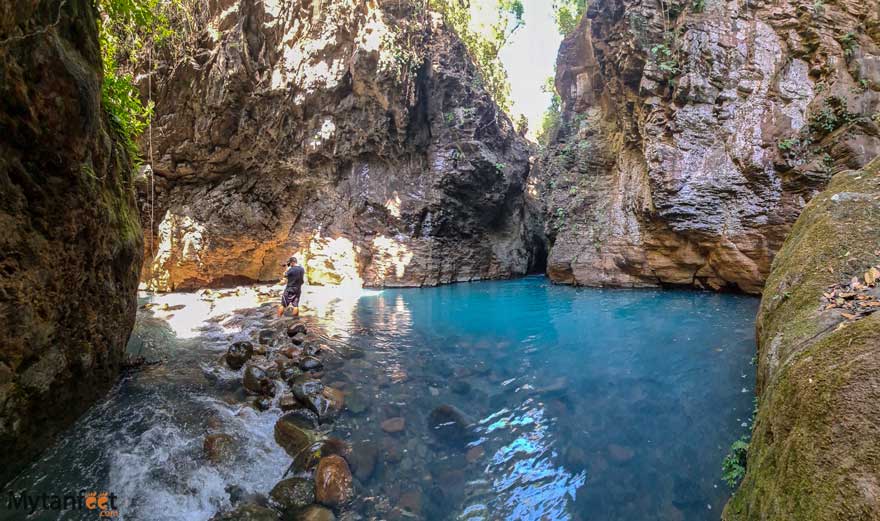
[{"x": 294, "y": 275}]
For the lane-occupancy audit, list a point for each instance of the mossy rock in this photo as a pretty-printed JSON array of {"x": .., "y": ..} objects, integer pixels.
[{"x": 815, "y": 449}]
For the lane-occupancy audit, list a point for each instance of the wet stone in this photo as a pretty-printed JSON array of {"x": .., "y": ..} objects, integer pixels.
[
  {"x": 257, "y": 381},
  {"x": 247, "y": 512},
  {"x": 356, "y": 403},
  {"x": 461, "y": 387},
  {"x": 363, "y": 460},
  {"x": 289, "y": 373},
  {"x": 262, "y": 404},
  {"x": 291, "y": 435},
  {"x": 292, "y": 494},
  {"x": 310, "y": 363},
  {"x": 265, "y": 336},
  {"x": 308, "y": 459},
  {"x": 304, "y": 386},
  {"x": 474, "y": 454},
  {"x": 296, "y": 329},
  {"x": 333, "y": 481},
  {"x": 315, "y": 513},
  {"x": 288, "y": 402},
  {"x": 449, "y": 426},
  {"x": 238, "y": 354},
  {"x": 392, "y": 425},
  {"x": 218, "y": 448}
]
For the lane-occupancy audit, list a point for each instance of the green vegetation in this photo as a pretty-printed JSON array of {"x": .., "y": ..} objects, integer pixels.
[
  {"x": 788, "y": 144},
  {"x": 129, "y": 32},
  {"x": 120, "y": 33},
  {"x": 552, "y": 117},
  {"x": 849, "y": 42},
  {"x": 665, "y": 58},
  {"x": 733, "y": 468},
  {"x": 568, "y": 14},
  {"x": 521, "y": 124},
  {"x": 833, "y": 115},
  {"x": 484, "y": 46},
  {"x": 698, "y": 6}
]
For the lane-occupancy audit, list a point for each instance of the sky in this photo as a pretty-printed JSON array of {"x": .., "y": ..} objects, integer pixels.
[{"x": 529, "y": 57}]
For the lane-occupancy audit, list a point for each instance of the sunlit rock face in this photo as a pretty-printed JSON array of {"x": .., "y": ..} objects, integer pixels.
[
  {"x": 692, "y": 140},
  {"x": 353, "y": 134},
  {"x": 70, "y": 238}
]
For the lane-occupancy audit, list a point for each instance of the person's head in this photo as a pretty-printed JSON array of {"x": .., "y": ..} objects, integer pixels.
[{"x": 291, "y": 261}]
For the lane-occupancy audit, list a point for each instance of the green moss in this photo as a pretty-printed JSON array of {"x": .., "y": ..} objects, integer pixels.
[{"x": 814, "y": 445}]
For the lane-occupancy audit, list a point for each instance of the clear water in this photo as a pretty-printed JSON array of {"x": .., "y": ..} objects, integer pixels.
[{"x": 586, "y": 404}]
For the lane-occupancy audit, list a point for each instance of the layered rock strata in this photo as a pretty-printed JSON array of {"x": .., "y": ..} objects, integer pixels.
[{"x": 693, "y": 134}]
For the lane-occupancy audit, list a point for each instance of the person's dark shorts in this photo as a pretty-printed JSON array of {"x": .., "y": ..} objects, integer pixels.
[{"x": 290, "y": 297}]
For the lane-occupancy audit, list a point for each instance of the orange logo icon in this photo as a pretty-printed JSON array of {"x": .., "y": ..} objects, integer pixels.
[{"x": 101, "y": 502}]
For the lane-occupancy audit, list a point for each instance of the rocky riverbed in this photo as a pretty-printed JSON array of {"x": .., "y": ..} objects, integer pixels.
[{"x": 469, "y": 401}]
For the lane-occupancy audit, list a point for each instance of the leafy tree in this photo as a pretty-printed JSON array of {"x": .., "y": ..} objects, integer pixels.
[
  {"x": 521, "y": 124},
  {"x": 484, "y": 46},
  {"x": 568, "y": 14},
  {"x": 552, "y": 116}
]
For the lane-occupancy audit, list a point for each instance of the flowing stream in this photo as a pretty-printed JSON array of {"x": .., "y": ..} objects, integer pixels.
[{"x": 585, "y": 404}]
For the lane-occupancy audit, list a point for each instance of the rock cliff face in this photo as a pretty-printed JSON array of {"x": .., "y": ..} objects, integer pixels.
[
  {"x": 695, "y": 132},
  {"x": 354, "y": 134},
  {"x": 814, "y": 452},
  {"x": 70, "y": 247}
]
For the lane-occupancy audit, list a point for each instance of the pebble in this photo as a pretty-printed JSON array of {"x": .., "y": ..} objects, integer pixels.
[{"x": 394, "y": 424}]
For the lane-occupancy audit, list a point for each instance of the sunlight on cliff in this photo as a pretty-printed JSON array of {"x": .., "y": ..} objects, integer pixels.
[
  {"x": 332, "y": 261},
  {"x": 180, "y": 238},
  {"x": 394, "y": 255}
]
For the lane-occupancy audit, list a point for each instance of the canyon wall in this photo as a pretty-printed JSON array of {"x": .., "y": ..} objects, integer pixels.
[
  {"x": 693, "y": 134},
  {"x": 356, "y": 135},
  {"x": 71, "y": 244},
  {"x": 814, "y": 452}
]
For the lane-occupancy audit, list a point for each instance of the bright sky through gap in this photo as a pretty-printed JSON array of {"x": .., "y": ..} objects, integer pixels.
[
  {"x": 529, "y": 56},
  {"x": 529, "y": 59}
]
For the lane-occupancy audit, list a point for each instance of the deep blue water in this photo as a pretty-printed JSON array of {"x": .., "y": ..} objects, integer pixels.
[{"x": 585, "y": 404}]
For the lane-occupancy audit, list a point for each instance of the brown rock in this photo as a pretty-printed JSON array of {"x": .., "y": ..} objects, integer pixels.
[
  {"x": 333, "y": 481},
  {"x": 475, "y": 454},
  {"x": 291, "y": 435},
  {"x": 394, "y": 424},
  {"x": 70, "y": 239},
  {"x": 620, "y": 453},
  {"x": 315, "y": 513},
  {"x": 439, "y": 169},
  {"x": 218, "y": 448},
  {"x": 411, "y": 502},
  {"x": 687, "y": 171}
]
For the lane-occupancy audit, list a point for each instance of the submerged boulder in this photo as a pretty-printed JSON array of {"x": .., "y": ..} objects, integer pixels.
[
  {"x": 815, "y": 447},
  {"x": 292, "y": 494},
  {"x": 449, "y": 426},
  {"x": 333, "y": 481},
  {"x": 291, "y": 433},
  {"x": 218, "y": 448},
  {"x": 238, "y": 354}
]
